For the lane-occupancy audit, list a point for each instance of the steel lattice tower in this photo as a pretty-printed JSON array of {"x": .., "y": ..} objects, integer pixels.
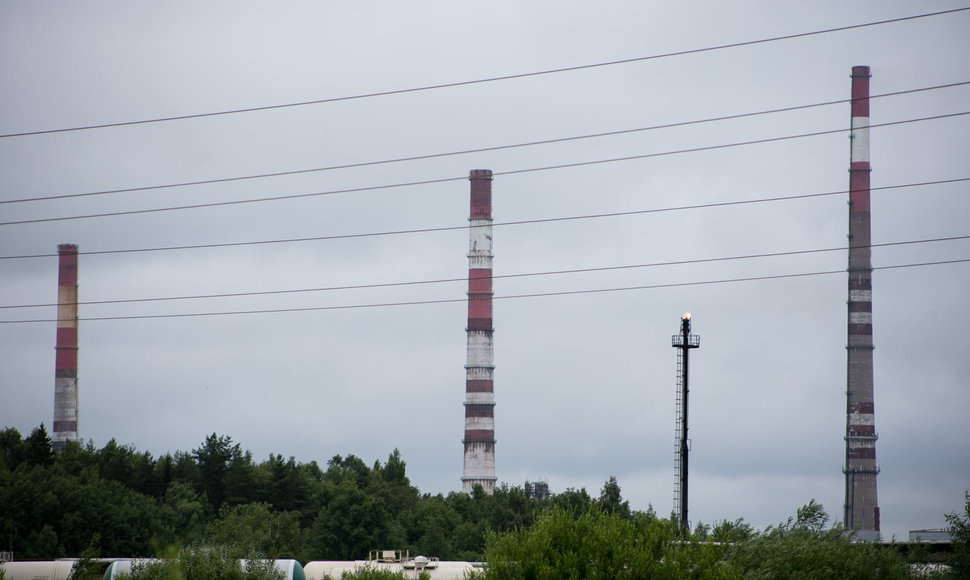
[
  {"x": 861, "y": 505},
  {"x": 683, "y": 342}
]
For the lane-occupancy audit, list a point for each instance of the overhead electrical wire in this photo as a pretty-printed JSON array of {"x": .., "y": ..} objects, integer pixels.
[
  {"x": 470, "y": 151},
  {"x": 494, "y": 277},
  {"x": 509, "y": 297},
  {"x": 463, "y": 177},
  {"x": 491, "y": 79},
  {"x": 495, "y": 224}
]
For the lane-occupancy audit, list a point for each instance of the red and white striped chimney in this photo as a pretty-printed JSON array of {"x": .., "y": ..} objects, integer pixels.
[
  {"x": 479, "y": 441},
  {"x": 65, "y": 365},
  {"x": 861, "y": 504}
]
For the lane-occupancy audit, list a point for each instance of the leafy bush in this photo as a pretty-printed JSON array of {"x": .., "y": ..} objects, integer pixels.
[
  {"x": 960, "y": 528},
  {"x": 381, "y": 574},
  {"x": 600, "y": 545},
  {"x": 596, "y": 544},
  {"x": 86, "y": 565},
  {"x": 804, "y": 548},
  {"x": 209, "y": 563}
]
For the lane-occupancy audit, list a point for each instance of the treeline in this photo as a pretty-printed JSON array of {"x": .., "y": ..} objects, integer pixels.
[
  {"x": 116, "y": 501},
  {"x": 52, "y": 504}
]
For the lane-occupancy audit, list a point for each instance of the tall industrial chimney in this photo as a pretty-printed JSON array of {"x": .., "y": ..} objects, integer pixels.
[
  {"x": 861, "y": 506},
  {"x": 479, "y": 441},
  {"x": 65, "y": 365}
]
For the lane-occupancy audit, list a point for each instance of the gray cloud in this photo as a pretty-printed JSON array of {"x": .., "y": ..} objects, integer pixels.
[{"x": 584, "y": 383}]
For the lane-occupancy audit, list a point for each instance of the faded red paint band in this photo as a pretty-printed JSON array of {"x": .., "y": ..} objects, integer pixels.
[
  {"x": 480, "y": 324},
  {"x": 860, "y": 91},
  {"x": 66, "y": 336},
  {"x": 479, "y": 306},
  {"x": 480, "y": 280},
  {"x": 65, "y": 357},
  {"x": 859, "y": 186},
  {"x": 481, "y": 193},
  {"x": 480, "y": 411},
  {"x": 862, "y": 453},
  {"x": 479, "y": 436},
  {"x": 865, "y": 407},
  {"x": 478, "y": 386}
]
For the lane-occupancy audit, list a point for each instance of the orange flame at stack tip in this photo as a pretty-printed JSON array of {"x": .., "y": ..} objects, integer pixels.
[{"x": 687, "y": 316}]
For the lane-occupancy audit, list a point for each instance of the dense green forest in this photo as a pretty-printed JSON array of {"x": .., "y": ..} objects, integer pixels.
[
  {"x": 52, "y": 504},
  {"x": 115, "y": 501}
]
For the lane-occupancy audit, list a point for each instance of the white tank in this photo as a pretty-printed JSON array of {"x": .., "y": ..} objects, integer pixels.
[
  {"x": 321, "y": 569},
  {"x": 291, "y": 569},
  {"x": 120, "y": 566},
  {"x": 40, "y": 570}
]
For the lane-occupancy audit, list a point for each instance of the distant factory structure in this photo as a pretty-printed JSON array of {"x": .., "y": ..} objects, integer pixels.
[
  {"x": 479, "y": 439},
  {"x": 65, "y": 349},
  {"x": 861, "y": 469},
  {"x": 537, "y": 489}
]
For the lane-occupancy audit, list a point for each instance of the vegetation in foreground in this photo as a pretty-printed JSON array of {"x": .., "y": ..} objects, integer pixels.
[
  {"x": 599, "y": 545},
  {"x": 54, "y": 505},
  {"x": 212, "y": 563}
]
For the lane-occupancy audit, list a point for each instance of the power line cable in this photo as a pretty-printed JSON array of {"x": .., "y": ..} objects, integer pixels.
[
  {"x": 470, "y": 151},
  {"x": 494, "y": 277},
  {"x": 495, "y": 224},
  {"x": 724, "y": 146},
  {"x": 491, "y": 79},
  {"x": 725, "y": 280},
  {"x": 463, "y": 177},
  {"x": 510, "y": 297}
]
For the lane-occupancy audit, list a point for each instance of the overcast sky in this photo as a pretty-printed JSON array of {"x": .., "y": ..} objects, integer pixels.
[{"x": 584, "y": 383}]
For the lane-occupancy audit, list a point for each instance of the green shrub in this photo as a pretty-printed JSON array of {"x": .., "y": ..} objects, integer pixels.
[
  {"x": 960, "y": 528},
  {"x": 381, "y": 574},
  {"x": 598, "y": 545},
  {"x": 208, "y": 563},
  {"x": 804, "y": 548},
  {"x": 86, "y": 566}
]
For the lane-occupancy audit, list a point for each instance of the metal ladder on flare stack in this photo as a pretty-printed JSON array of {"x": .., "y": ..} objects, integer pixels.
[{"x": 678, "y": 428}]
